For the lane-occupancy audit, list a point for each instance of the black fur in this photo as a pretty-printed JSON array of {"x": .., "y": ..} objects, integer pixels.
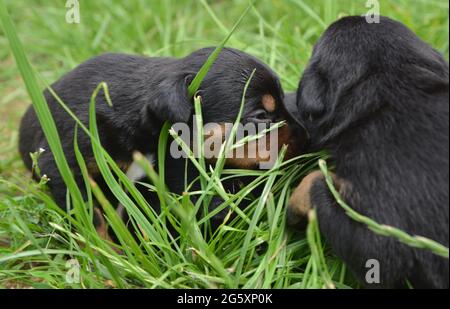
[
  {"x": 146, "y": 92},
  {"x": 376, "y": 97}
]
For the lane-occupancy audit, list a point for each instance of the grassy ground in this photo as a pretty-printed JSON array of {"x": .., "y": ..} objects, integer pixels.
[{"x": 254, "y": 250}]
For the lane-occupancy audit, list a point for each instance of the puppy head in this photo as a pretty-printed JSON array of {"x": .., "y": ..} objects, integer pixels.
[
  {"x": 357, "y": 69},
  {"x": 222, "y": 88},
  {"x": 222, "y": 91}
]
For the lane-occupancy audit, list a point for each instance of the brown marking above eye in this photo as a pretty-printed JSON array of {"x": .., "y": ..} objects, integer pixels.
[{"x": 269, "y": 103}]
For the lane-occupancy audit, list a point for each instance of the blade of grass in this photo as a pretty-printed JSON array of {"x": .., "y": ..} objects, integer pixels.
[
  {"x": 40, "y": 105},
  {"x": 310, "y": 11},
  {"x": 381, "y": 229},
  {"x": 128, "y": 243},
  {"x": 195, "y": 84},
  {"x": 313, "y": 236},
  {"x": 255, "y": 218}
]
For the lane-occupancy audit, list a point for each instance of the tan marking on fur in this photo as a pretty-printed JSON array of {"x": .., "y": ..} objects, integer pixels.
[
  {"x": 269, "y": 103},
  {"x": 300, "y": 201},
  {"x": 285, "y": 137},
  {"x": 232, "y": 160},
  {"x": 217, "y": 137},
  {"x": 248, "y": 162}
]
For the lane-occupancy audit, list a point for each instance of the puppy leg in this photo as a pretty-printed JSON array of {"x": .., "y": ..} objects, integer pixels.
[
  {"x": 352, "y": 241},
  {"x": 300, "y": 202}
]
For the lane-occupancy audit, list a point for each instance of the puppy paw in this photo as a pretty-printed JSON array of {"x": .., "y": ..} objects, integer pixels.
[{"x": 300, "y": 201}]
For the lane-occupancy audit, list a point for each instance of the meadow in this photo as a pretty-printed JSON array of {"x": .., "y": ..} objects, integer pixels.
[{"x": 42, "y": 247}]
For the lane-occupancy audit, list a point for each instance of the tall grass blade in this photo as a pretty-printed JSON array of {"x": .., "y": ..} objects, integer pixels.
[
  {"x": 382, "y": 229},
  {"x": 39, "y": 104}
]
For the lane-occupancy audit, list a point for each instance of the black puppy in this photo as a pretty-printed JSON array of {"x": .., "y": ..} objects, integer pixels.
[
  {"x": 145, "y": 93},
  {"x": 376, "y": 97}
]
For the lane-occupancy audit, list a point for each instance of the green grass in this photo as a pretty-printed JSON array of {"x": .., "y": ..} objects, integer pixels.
[{"x": 254, "y": 249}]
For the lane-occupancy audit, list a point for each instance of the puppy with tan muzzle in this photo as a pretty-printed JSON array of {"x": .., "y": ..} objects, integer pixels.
[{"x": 146, "y": 92}]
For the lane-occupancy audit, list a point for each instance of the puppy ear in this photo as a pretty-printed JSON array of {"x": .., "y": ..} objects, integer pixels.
[
  {"x": 291, "y": 108},
  {"x": 430, "y": 79},
  {"x": 290, "y": 101},
  {"x": 171, "y": 101},
  {"x": 311, "y": 95}
]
